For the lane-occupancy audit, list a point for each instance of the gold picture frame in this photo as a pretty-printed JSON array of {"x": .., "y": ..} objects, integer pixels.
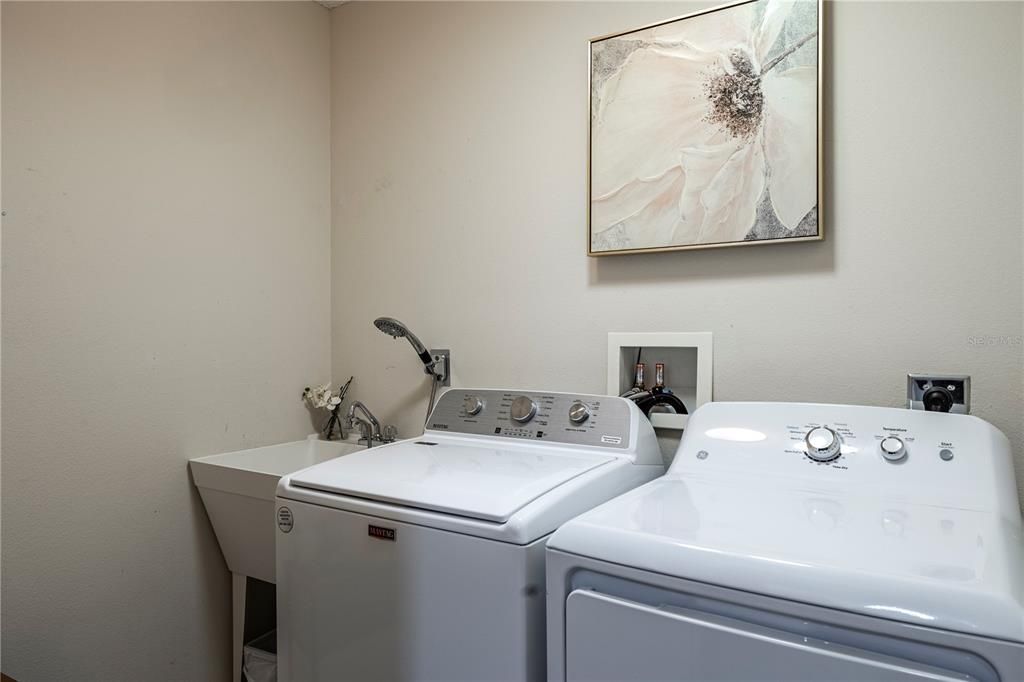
[{"x": 743, "y": 121}]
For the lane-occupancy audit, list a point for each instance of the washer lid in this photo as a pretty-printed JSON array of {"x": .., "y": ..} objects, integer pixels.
[
  {"x": 936, "y": 566},
  {"x": 484, "y": 483}
]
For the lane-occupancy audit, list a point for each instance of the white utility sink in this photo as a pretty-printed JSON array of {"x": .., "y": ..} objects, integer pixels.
[{"x": 238, "y": 492}]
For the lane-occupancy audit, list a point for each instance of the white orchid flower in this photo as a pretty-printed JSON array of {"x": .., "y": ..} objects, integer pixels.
[
  {"x": 317, "y": 397},
  {"x": 699, "y": 122}
]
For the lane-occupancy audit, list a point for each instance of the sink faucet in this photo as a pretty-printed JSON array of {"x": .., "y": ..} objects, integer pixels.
[{"x": 371, "y": 426}]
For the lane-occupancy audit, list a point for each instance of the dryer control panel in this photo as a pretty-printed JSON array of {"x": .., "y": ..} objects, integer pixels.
[
  {"x": 883, "y": 450},
  {"x": 591, "y": 420}
]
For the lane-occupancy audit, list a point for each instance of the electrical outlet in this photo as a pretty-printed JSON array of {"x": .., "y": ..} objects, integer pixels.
[
  {"x": 443, "y": 356},
  {"x": 939, "y": 392}
]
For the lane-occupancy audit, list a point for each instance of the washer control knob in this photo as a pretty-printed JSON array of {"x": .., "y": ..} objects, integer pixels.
[
  {"x": 822, "y": 444},
  {"x": 578, "y": 412},
  {"x": 893, "y": 448},
  {"x": 473, "y": 405},
  {"x": 523, "y": 409}
]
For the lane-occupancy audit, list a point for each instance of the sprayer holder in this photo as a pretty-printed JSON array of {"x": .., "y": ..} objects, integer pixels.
[{"x": 440, "y": 365}]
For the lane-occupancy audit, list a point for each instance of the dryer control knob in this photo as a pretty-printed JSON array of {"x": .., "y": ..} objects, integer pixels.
[
  {"x": 893, "y": 448},
  {"x": 473, "y": 405},
  {"x": 578, "y": 412},
  {"x": 822, "y": 444},
  {"x": 523, "y": 409}
]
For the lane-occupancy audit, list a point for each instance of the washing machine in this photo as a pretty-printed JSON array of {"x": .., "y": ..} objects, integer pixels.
[
  {"x": 424, "y": 559},
  {"x": 800, "y": 542}
]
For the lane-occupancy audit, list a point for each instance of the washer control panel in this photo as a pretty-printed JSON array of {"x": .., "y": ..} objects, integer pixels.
[{"x": 600, "y": 421}]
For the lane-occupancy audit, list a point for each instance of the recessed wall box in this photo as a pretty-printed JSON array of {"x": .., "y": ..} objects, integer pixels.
[
  {"x": 939, "y": 392},
  {"x": 687, "y": 360}
]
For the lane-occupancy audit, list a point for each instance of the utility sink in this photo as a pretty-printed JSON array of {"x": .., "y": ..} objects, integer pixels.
[{"x": 238, "y": 492}]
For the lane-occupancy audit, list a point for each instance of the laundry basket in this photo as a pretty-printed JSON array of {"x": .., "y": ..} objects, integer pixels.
[{"x": 259, "y": 658}]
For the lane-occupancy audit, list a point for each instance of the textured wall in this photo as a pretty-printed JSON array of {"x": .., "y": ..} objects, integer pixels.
[
  {"x": 165, "y": 268},
  {"x": 459, "y": 189}
]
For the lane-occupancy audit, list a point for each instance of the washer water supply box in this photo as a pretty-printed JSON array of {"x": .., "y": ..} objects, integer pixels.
[{"x": 687, "y": 357}]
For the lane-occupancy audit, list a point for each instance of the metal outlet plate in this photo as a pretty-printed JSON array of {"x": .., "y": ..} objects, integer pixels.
[
  {"x": 925, "y": 391},
  {"x": 446, "y": 355}
]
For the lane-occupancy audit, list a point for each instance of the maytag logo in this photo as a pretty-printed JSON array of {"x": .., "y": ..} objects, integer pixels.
[
  {"x": 381, "y": 533},
  {"x": 443, "y": 427}
]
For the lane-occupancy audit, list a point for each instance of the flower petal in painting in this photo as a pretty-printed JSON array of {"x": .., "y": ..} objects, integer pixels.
[
  {"x": 719, "y": 201},
  {"x": 775, "y": 14},
  {"x": 731, "y": 199},
  {"x": 648, "y": 111},
  {"x": 655, "y": 220},
  {"x": 790, "y": 141},
  {"x": 628, "y": 202},
  {"x": 717, "y": 31}
]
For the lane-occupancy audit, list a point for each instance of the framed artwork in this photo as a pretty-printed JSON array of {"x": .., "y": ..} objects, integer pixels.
[{"x": 705, "y": 130}]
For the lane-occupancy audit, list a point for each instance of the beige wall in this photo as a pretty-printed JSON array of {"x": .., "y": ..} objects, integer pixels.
[
  {"x": 165, "y": 261},
  {"x": 459, "y": 185}
]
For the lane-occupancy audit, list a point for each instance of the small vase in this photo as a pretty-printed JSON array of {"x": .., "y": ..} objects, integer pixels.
[{"x": 333, "y": 423}]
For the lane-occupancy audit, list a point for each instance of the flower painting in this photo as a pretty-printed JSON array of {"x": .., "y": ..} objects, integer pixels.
[{"x": 705, "y": 130}]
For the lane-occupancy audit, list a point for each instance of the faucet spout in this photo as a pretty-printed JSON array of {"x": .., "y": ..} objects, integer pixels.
[{"x": 373, "y": 431}]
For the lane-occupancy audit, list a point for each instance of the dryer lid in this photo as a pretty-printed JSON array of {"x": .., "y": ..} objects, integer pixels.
[
  {"x": 486, "y": 483},
  {"x": 931, "y": 565}
]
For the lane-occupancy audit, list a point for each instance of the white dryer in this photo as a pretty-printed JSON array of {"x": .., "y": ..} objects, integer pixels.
[
  {"x": 800, "y": 542},
  {"x": 424, "y": 559}
]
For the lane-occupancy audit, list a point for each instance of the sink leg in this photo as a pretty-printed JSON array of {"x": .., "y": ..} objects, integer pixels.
[{"x": 237, "y": 624}]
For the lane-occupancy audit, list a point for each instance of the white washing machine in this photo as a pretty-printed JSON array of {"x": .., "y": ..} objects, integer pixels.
[
  {"x": 424, "y": 559},
  {"x": 800, "y": 542}
]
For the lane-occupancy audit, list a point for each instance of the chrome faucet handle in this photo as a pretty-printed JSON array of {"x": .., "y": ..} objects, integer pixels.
[{"x": 389, "y": 434}]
